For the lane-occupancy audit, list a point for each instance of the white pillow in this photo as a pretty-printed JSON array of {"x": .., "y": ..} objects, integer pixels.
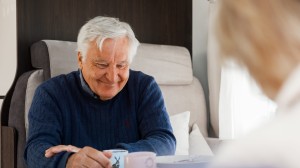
[
  {"x": 197, "y": 143},
  {"x": 180, "y": 125}
]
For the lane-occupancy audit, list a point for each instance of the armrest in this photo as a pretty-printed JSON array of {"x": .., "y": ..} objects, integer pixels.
[{"x": 8, "y": 147}]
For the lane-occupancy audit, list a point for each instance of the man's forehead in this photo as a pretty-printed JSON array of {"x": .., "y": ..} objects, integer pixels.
[{"x": 102, "y": 59}]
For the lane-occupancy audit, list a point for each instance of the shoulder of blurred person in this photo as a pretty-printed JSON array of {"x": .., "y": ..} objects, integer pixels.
[
  {"x": 275, "y": 144},
  {"x": 264, "y": 37}
]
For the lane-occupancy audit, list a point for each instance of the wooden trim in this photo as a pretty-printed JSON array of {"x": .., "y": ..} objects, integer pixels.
[{"x": 8, "y": 147}]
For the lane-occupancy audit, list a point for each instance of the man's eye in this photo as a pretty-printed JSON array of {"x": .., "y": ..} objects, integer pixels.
[
  {"x": 102, "y": 66},
  {"x": 121, "y": 66}
]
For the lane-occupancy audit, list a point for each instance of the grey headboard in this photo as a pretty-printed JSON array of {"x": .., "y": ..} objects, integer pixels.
[{"x": 171, "y": 67}]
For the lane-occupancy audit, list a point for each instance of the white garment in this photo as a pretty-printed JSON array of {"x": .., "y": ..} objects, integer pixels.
[{"x": 277, "y": 143}]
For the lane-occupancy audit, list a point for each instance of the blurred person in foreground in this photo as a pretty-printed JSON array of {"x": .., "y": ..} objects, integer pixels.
[
  {"x": 104, "y": 105},
  {"x": 264, "y": 36}
]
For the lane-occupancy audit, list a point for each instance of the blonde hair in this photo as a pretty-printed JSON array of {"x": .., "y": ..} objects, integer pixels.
[{"x": 263, "y": 35}]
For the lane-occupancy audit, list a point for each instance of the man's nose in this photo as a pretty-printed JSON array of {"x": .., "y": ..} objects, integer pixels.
[{"x": 112, "y": 74}]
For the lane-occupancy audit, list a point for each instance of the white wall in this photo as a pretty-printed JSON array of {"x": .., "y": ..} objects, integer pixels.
[
  {"x": 8, "y": 44},
  {"x": 200, "y": 36}
]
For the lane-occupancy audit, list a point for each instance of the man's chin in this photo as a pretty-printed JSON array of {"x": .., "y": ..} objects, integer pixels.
[
  {"x": 107, "y": 93},
  {"x": 106, "y": 97}
]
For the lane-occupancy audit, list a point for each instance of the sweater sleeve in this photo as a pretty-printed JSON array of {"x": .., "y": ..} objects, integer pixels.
[
  {"x": 154, "y": 124},
  {"x": 44, "y": 132}
]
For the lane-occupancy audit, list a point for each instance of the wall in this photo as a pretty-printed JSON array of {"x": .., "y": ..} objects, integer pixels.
[
  {"x": 8, "y": 45},
  {"x": 200, "y": 36}
]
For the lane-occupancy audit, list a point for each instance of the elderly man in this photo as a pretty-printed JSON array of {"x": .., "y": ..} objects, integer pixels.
[{"x": 103, "y": 105}]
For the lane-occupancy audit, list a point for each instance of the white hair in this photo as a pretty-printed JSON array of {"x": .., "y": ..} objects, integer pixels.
[{"x": 101, "y": 28}]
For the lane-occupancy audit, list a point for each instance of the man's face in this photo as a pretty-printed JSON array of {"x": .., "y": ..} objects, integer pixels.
[{"x": 106, "y": 71}]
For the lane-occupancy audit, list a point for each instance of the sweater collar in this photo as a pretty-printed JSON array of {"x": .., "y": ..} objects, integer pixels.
[{"x": 86, "y": 87}]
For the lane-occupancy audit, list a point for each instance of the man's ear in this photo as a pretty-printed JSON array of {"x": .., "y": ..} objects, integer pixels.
[{"x": 79, "y": 59}]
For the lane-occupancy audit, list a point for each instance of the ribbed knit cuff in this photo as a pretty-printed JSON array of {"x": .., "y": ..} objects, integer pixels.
[{"x": 63, "y": 161}]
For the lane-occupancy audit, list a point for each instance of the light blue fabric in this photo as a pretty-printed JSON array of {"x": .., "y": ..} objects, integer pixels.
[{"x": 85, "y": 86}]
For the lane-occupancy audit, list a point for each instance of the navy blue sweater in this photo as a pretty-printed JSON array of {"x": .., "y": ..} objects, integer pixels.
[{"x": 63, "y": 113}]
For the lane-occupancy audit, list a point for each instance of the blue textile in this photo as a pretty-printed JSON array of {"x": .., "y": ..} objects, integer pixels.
[{"x": 62, "y": 112}]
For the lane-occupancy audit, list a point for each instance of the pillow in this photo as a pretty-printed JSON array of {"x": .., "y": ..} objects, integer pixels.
[
  {"x": 197, "y": 143},
  {"x": 180, "y": 125}
]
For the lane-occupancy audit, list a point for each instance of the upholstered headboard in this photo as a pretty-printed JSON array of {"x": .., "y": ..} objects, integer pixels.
[{"x": 169, "y": 65}]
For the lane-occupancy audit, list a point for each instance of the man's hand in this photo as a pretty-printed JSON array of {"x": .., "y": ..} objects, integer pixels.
[
  {"x": 85, "y": 157},
  {"x": 60, "y": 148}
]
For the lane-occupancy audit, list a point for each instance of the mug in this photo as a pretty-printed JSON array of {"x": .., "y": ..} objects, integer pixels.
[
  {"x": 117, "y": 158},
  {"x": 140, "y": 160}
]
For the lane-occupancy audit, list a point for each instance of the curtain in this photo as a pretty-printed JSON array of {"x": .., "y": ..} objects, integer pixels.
[
  {"x": 237, "y": 104},
  {"x": 242, "y": 105}
]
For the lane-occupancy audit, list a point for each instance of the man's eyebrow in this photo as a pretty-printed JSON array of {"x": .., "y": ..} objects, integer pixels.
[
  {"x": 99, "y": 60},
  {"x": 123, "y": 62}
]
